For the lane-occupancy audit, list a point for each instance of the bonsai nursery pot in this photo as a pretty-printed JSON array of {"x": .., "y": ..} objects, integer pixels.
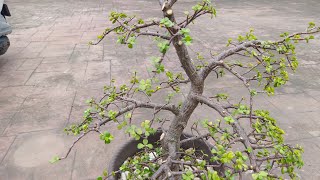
[{"x": 130, "y": 149}]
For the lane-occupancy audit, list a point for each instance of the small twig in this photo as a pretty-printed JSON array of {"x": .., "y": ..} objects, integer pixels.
[
  {"x": 73, "y": 144},
  {"x": 195, "y": 138}
]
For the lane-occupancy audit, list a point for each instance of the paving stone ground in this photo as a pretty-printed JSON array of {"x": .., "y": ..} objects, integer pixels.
[{"x": 49, "y": 71}]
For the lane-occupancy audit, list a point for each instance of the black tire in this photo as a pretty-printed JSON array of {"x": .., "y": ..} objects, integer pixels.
[
  {"x": 130, "y": 149},
  {"x": 4, "y": 44}
]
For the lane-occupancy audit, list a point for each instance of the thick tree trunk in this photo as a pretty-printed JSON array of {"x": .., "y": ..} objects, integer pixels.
[
  {"x": 171, "y": 142},
  {"x": 172, "y": 137}
]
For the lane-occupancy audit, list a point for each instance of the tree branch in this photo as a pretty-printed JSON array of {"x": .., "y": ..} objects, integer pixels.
[
  {"x": 169, "y": 3},
  {"x": 74, "y": 142},
  {"x": 139, "y": 104},
  {"x": 195, "y": 138},
  {"x": 168, "y": 107},
  {"x": 153, "y": 34},
  {"x": 243, "y": 46},
  {"x": 235, "y": 125},
  {"x": 218, "y": 60}
]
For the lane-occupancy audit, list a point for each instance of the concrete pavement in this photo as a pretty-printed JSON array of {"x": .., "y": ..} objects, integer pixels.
[{"x": 49, "y": 71}]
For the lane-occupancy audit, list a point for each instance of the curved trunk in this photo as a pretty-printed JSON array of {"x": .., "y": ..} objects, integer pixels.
[
  {"x": 172, "y": 137},
  {"x": 171, "y": 141}
]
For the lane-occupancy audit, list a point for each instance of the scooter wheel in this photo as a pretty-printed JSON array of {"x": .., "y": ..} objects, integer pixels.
[{"x": 4, "y": 44}]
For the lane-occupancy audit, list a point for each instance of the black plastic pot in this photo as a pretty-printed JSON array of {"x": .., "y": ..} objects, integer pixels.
[{"x": 130, "y": 149}]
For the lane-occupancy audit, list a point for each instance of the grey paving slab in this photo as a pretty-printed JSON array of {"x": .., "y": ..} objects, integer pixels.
[
  {"x": 4, "y": 122},
  {"x": 84, "y": 94},
  {"x": 77, "y": 82},
  {"x": 295, "y": 102},
  {"x": 17, "y": 78},
  {"x": 121, "y": 75},
  {"x": 92, "y": 73},
  {"x": 35, "y": 46},
  {"x": 88, "y": 168},
  {"x": 315, "y": 94},
  {"x": 84, "y": 52},
  {"x": 17, "y": 44},
  {"x": 5, "y": 145},
  {"x": 29, "y": 155},
  {"x": 40, "y": 36},
  {"x": 61, "y": 40},
  {"x": 12, "y": 52},
  {"x": 311, "y": 150},
  {"x": 27, "y": 53},
  {"x": 10, "y": 104},
  {"x": 89, "y": 35},
  {"x": 96, "y": 79},
  {"x": 45, "y": 110},
  {"x": 11, "y": 100},
  {"x": 58, "y": 59},
  {"x": 50, "y": 79},
  {"x": 3, "y": 61},
  {"x": 76, "y": 114},
  {"x": 19, "y": 91},
  {"x": 30, "y": 64},
  {"x": 57, "y": 50},
  {"x": 12, "y": 64},
  {"x": 61, "y": 67},
  {"x": 65, "y": 33}
]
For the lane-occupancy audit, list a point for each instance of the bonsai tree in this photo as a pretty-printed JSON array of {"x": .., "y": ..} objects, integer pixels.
[{"x": 243, "y": 141}]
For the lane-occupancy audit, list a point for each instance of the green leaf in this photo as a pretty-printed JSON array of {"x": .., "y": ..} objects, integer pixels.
[
  {"x": 166, "y": 22},
  {"x": 184, "y": 31},
  {"x": 197, "y": 7},
  {"x": 241, "y": 38},
  {"x": 112, "y": 114},
  {"x": 229, "y": 42},
  {"x": 253, "y": 92},
  {"x": 163, "y": 47},
  {"x": 105, "y": 173},
  {"x": 131, "y": 41},
  {"x": 230, "y": 155},
  {"x": 255, "y": 176},
  {"x": 156, "y": 62},
  {"x": 311, "y": 25},
  {"x": 229, "y": 119},
  {"x": 139, "y": 131},
  {"x": 221, "y": 96},
  {"x": 145, "y": 124},
  {"x": 213, "y": 175},
  {"x": 142, "y": 85},
  {"x": 150, "y": 146},
  {"x": 213, "y": 151},
  {"x": 140, "y": 21},
  {"x": 262, "y": 175},
  {"x": 187, "y": 40},
  {"x": 99, "y": 178},
  {"x": 106, "y": 137},
  {"x": 140, "y": 146},
  {"x": 145, "y": 141},
  {"x": 188, "y": 175},
  {"x": 54, "y": 159}
]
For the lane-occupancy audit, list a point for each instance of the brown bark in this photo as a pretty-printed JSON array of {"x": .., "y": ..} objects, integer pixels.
[{"x": 172, "y": 138}]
